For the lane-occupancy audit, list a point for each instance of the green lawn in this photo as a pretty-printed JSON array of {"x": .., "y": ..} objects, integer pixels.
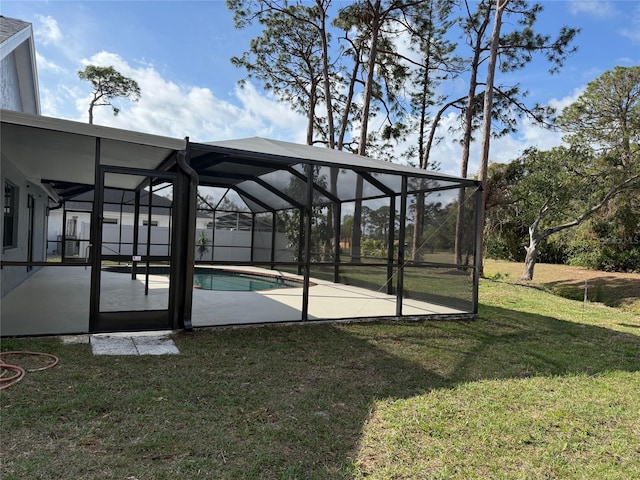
[{"x": 539, "y": 387}]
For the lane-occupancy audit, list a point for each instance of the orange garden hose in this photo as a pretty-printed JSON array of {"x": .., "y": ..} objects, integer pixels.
[{"x": 7, "y": 381}]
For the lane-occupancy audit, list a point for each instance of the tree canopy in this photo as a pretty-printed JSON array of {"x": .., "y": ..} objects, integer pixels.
[
  {"x": 607, "y": 116},
  {"x": 596, "y": 179}
]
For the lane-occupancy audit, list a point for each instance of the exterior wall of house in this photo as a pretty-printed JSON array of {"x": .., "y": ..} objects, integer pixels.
[
  {"x": 9, "y": 86},
  {"x": 19, "y": 92},
  {"x": 11, "y": 277}
]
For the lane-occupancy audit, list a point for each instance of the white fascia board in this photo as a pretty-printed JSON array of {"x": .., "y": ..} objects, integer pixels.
[
  {"x": 34, "y": 70},
  {"x": 14, "y": 41}
]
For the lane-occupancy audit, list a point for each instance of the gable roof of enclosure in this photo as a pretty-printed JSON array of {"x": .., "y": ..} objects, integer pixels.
[{"x": 269, "y": 175}]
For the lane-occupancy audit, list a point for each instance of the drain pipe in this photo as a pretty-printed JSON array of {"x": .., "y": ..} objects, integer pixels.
[{"x": 190, "y": 239}]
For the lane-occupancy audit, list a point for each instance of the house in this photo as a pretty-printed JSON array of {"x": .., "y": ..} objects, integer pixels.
[
  {"x": 25, "y": 201},
  {"x": 19, "y": 86}
]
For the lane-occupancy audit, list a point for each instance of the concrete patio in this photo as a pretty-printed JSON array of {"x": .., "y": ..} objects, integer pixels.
[{"x": 55, "y": 300}]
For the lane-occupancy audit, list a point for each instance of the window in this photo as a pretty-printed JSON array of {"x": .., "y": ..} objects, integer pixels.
[
  {"x": 113, "y": 221},
  {"x": 154, "y": 223},
  {"x": 10, "y": 234}
]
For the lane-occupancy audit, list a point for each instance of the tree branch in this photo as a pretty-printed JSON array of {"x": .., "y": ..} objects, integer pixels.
[{"x": 586, "y": 214}]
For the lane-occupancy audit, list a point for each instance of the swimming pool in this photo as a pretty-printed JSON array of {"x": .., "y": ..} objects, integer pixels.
[
  {"x": 223, "y": 280},
  {"x": 229, "y": 281}
]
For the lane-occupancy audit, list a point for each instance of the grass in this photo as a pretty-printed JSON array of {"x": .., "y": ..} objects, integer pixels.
[
  {"x": 539, "y": 387},
  {"x": 613, "y": 289}
]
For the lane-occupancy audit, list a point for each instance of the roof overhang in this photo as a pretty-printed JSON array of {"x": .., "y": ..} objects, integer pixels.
[{"x": 50, "y": 150}]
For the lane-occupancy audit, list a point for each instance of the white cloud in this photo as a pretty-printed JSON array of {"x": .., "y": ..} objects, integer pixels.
[
  {"x": 594, "y": 8},
  {"x": 562, "y": 103},
  {"x": 45, "y": 64},
  {"x": 47, "y": 32},
  {"x": 274, "y": 117},
  {"x": 633, "y": 33},
  {"x": 166, "y": 108}
]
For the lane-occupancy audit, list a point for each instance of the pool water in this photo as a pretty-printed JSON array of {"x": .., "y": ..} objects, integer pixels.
[
  {"x": 238, "y": 282},
  {"x": 222, "y": 280}
]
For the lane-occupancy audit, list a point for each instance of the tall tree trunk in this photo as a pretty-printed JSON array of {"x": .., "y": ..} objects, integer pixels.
[
  {"x": 424, "y": 162},
  {"x": 486, "y": 121},
  {"x": 368, "y": 86},
  {"x": 418, "y": 216},
  {"x": 331, "y": 134},
  {"x": 311, "y": 115},
  {"x": 325, "y": 76},
  {"x": 341, "y": 135},
  {"x": 468, "y": 126},
  {"x": 344, "y": 121},
  {"x": 364, "y": 128}
]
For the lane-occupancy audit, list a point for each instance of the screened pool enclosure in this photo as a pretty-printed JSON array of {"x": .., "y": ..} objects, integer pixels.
[{"x": 135, "y": 225}]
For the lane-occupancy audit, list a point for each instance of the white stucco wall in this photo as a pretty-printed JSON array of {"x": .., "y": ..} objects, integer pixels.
[{"x": 10, "y": 277}]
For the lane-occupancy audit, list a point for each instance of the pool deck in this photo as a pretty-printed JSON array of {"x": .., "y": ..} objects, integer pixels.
[{"x": 55, "y": 300}]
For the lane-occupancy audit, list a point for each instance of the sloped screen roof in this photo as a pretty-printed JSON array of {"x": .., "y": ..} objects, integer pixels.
[{"x": 270, "y": 174}]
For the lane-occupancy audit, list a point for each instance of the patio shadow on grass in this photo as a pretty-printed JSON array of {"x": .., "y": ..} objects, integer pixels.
[{"x": 271, "y": 402}]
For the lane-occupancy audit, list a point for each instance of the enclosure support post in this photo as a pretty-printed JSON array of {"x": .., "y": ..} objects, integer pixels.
[
  {"x": 273, "y": 239},
  {"x": 337, "y": 215},
  {"x": 147, "y": 263},
  {"x": 253, "y": 236},
  {"x": 120, "y": 226},
  {"x": 307, "y": 243},
  {"x": 96, "y": 241},
  {"x": 391, "y": 238},
  {"x": 170, "y": 232},
  {"x": 477, "y": 254},
  {"x": 63, "y": 245},
  {"x": 213, "y": 236},
  {"x": 186, "y": 205},
  {"x": 301, "y": 231},
  {"x": 136, "y": 222},
  {"x": 401, "y": 239},
  {"x": 179, "y": 248}
]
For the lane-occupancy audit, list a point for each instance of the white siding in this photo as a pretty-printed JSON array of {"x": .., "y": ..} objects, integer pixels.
[{"x": 9, "y": 86}]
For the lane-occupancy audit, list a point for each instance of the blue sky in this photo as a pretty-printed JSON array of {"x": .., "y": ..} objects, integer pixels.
[{"x": 179, "y": 53}]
